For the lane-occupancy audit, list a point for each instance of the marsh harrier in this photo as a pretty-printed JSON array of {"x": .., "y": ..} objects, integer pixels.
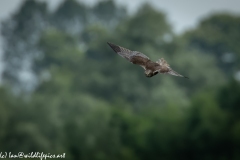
[{"x": 151, "y": 68}]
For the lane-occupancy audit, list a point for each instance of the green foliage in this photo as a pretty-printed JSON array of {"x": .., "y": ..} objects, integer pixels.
[
  {"x": 90, "y": 103},
  {"x": 70, "y": 17},
  {"x": 229, "y": 97},
  {"x": 21, "y": 34},
  {"x": 218, "y": 35},
  {"x": 202, "y": 70},
  {"x": 107, "y": 13},
  {"x": 148, "y": 26}
]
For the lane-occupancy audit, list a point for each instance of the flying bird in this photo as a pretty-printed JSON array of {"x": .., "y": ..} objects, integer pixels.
[{"x": 151, "y": 68}]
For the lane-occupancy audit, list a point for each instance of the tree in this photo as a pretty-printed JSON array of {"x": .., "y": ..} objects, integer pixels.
[
  {"x": 229, "y": 98},
  {"x": 20, "y": 36},
  {"x": 146, "y": 27},
  {"x": 218, "y": 35},
  {"x": 71, "y": 17},
  {"x": 107, "y": 13}
]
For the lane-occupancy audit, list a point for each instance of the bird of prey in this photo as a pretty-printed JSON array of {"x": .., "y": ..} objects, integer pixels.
[{"x": 151, "y": 68}]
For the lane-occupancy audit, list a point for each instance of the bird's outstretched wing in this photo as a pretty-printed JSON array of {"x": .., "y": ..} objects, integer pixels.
[
  {"x": 162, "y": 62},
  {"x": 174, "y": 73},
  {"x": 165, "y": 68},
  {"x": 133, "y": 56}
]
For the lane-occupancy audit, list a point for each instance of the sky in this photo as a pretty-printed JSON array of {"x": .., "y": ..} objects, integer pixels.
[{"x": 182, "y": 14}]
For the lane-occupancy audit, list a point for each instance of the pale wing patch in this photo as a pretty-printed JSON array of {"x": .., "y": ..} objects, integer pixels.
[{"x": 163, "y": 62}]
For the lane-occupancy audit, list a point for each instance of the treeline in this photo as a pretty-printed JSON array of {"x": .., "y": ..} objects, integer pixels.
[{"x": 65, "y": 91}]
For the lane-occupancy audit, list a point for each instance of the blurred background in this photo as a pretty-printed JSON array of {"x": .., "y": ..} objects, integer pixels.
[{"x": 63, "y": 90}]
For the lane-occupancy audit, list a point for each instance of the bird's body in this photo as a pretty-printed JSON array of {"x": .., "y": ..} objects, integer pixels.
[{"x": 151, "y": 68}]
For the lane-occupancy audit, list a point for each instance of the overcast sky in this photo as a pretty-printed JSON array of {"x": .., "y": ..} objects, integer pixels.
[{"x": 182, "y": 14}]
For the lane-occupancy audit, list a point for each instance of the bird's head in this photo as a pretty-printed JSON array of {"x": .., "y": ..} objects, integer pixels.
[{"x": 148, "y": 73}]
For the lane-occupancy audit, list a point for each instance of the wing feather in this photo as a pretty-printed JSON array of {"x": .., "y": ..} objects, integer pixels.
[
  {"x": 133, "y": 56},
  {"x": 174, "y": 73},
  {"x": 140, "y": 59},
  {"x": 123, "y": 52},
  {"x": 163, "y": 62}
]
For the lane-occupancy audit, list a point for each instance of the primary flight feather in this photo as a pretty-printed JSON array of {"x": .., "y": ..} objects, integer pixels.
[{"x": 151, "y": 68}]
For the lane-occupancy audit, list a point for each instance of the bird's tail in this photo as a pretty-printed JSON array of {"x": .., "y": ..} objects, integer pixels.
[{"x": 174, "y": 73}]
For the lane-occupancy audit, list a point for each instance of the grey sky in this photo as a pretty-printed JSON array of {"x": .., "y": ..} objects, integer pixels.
[{"x": 182, "y": 14}]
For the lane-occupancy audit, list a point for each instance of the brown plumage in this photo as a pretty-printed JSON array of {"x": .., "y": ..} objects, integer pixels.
[{"x": 151, "y": 68}]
